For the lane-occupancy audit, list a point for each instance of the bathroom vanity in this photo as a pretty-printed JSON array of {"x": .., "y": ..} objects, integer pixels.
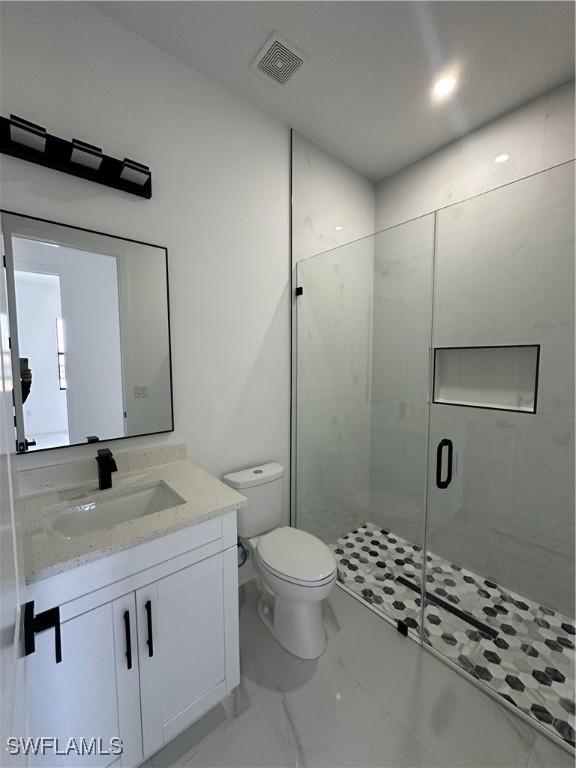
[{"x": 148, "y": 609}]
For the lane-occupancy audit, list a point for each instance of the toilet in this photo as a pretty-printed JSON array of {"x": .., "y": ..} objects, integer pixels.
[{"x": 296, "y": 569}]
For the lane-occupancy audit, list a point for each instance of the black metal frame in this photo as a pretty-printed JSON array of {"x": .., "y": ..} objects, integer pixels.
[
  {"x": 57, "y": 155},
  {"x": 490, "y": 407},
  {"x": 126, "y": 240}
]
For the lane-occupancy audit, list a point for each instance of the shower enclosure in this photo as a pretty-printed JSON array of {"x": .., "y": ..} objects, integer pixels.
[{"x": 434, "y": 426}]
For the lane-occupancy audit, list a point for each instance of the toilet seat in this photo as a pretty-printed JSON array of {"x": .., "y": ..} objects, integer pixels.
[
  {"x": 297, "y": 557},
  {"x": 296, "y": 582}
]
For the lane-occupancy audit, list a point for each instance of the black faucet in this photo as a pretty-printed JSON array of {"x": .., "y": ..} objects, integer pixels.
[{"x": 106, "y": 465}]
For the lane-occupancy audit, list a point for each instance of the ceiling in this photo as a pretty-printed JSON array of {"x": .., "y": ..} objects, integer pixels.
[{"x": 364, "y": 91}]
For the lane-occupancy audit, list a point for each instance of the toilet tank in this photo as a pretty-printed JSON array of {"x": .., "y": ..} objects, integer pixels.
[{"x": 263, "y": 487}]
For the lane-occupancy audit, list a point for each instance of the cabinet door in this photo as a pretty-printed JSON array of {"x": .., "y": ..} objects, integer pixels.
[
  {"x": 91, "y": 693},
  {"x": 181, "y": 635}
]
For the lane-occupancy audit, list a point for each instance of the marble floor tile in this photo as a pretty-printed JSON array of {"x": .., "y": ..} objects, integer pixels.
[
  {"x": 256, "y": 739},
  {"x": 178, "y": 751},
  {"x": 336, "y": 722},
  {"x": 546, "y": 754},
  {"x": 374, "y": 700},
  {"x": 339, "y": 610},
  {"x": 458, "y": 723}
]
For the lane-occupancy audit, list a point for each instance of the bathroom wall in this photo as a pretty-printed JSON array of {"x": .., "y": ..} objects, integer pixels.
[
  {"x": 332, "y": 209},
  {"x": 220, "y": 204},
  {"x": 536, "y": 136}
]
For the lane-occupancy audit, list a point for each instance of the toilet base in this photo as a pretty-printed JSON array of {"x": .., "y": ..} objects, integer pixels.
[{"x": 296, "y": 626}]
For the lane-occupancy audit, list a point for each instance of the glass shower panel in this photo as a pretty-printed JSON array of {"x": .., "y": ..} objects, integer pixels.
[
  {"x": 402, "y": 316},
  {"x": 364, "y": 324},
  {"x": 334, "y": 320},
  {"x": 500, "y": 524}
]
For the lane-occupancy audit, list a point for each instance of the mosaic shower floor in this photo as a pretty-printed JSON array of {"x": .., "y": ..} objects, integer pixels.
[{"x": 522, "y": 650}]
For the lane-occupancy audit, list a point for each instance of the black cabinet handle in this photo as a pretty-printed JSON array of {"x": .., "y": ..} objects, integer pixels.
[
  {"x": 445, "y": 443},
  {"x": 49, "y": 619},
  {"x": 150, "y": 641},
  {"x": 128, "y": 639}
]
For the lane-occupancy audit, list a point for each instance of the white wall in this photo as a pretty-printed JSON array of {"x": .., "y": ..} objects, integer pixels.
[
  {"x": 332, "y": 207},
  {"x": 220, "y": 205},
  {"x": 536, "y": 136}
]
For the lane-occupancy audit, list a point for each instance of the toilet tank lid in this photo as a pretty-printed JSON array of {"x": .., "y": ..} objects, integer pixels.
[{"x": 248, "y": 478}]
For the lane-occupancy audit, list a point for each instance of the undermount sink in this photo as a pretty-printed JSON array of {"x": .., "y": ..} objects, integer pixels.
[{"x": 98, "y": 512}]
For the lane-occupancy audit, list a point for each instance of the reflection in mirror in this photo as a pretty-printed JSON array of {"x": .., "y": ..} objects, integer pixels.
[{"x": 90, "y": 334}]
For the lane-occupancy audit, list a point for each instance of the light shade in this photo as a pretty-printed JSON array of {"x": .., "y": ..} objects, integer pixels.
[
  {"x": 135, "y": 172},
  {"x": 28, "y": 134},
  {"x": 86, "y": 154}
]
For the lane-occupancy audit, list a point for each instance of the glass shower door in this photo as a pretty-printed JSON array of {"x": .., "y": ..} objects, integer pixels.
[{"x": 500, "y": 526}]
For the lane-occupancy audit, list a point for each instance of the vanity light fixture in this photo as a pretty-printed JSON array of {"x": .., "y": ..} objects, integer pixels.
[
  {"x": 338, "y": 228},
  {"x": 86, "y": 154},
  {"x": 27, "y": 141},
  {"x": 28, "y": 134},
  {"x": 444, "y": 86},
  {"x": 134, "y": 172},
  {"x": 502, "y": 158}
]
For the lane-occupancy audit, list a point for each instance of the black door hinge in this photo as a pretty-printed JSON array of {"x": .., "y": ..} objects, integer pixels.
[{"x": 299, "y": 291}]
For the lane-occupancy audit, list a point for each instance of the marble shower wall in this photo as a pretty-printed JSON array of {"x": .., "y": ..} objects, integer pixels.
[
  {"x": 505, "y": 276},
  {"x": 536, "y": 136}
]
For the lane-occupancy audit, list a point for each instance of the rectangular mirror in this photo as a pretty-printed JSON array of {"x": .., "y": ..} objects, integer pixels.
[{"x": 90, "y": 334}]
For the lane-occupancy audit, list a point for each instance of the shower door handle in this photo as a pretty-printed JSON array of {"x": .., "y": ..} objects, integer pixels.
[{"x": 445, "y": 443}]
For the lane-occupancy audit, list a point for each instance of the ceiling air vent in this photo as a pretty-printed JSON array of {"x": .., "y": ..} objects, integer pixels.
[{"x": 278, "y": 60}]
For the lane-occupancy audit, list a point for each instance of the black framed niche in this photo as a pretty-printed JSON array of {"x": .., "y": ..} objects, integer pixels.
[
  {"x": 500, "y": 377},
  {"x": 90, "y": 334}
]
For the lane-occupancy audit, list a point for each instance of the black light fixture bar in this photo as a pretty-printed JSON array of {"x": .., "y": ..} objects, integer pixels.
[{"x": 58, "y": 154}]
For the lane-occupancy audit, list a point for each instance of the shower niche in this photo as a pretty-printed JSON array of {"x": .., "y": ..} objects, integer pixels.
[{"x": 502, "y": 378}]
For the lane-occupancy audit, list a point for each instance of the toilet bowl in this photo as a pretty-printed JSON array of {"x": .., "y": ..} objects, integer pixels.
[{"x": 296, "y": 570}]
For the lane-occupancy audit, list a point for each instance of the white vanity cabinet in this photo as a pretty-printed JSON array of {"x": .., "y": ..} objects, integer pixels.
[
  {"x": 182, "y": 651},
  {"x": 91, "y": 693},
  {"x": 143, "y": 656}
]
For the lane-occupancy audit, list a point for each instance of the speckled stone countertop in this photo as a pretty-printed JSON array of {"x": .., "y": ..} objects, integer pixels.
[{"x": 47, "y": 554}]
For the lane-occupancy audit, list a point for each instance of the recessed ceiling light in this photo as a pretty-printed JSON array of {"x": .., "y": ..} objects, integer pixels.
[
  {"x": 502, "y": 158},
  {"x": 338, "y": 228},
  {"x": 444, "y": 87}
]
